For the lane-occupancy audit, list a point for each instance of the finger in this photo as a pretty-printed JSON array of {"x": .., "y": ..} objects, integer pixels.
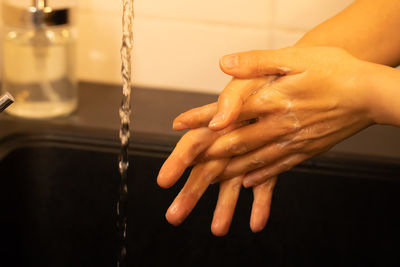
[
  {"x": 200, "y": 178},
  {"x": 253, "y": 136},
  {"x": 232, "y": 98},
  {"x": 228, "y": 195},
  {"x": 263, "y": 100},
  {"x": 188, "y": 148},
  {"x": 201, "y": 116},
  {"x": 256, "y": 159},
  {"x": 268, "y": 100},
  {"x": 259, "y": 63},
  {"x": 195, "y": 118},
  {"x": 261, "y": 204},
  {"x": 261, "y": 175}
]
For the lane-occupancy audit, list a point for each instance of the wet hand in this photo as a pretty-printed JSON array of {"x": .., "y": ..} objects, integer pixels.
[
  {"x": 316, "y": 99},
  {"x": 189, "y": 150}
]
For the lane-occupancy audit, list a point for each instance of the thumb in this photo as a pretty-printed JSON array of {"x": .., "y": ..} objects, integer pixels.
[
  {"x": 230, "y": 103},
  {"x": 259, "y": 63}
]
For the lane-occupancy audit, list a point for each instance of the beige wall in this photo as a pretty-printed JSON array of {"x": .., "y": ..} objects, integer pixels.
[{"x": 178, "y": 42}]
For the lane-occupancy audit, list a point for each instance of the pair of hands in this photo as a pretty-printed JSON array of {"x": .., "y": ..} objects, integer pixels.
[{"x": 281, "y": 108}]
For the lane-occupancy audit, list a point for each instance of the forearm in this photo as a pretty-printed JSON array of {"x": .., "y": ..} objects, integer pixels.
[
  {"x": 368, "y": 29},
  {"x": 383, "y": 93}
]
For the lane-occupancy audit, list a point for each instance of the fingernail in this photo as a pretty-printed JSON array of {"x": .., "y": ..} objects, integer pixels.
[
  {"x": 179, "y": 126},
  {"x": 248, "y": 182},
  {"x": 218, "y": 118},
  {"x": 230, "y": 61}
]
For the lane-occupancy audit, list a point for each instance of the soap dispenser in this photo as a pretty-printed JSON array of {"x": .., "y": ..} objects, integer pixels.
[{"x": 39, "y": 58}]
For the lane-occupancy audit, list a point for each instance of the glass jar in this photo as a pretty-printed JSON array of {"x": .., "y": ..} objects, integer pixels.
[{"x": 39, "y": 60}]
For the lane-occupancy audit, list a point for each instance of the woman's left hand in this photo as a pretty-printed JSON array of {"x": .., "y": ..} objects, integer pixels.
[{"x": 189, "y": 148}]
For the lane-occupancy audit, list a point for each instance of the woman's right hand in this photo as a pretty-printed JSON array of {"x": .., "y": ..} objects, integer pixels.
[
  {"x": 319, "y": 98},
  {"x": 333, "y": 69}
]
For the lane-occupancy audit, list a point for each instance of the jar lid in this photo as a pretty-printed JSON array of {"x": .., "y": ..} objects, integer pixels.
[{"x": 35, "y": 16}]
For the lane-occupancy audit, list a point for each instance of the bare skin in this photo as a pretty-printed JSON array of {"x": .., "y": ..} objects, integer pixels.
[
  {"x": 187, "y": 151},
  {"x": 295, "y": 118},
  {"x": 292, "y": 122},
  {"x": 366, "y": 29}
]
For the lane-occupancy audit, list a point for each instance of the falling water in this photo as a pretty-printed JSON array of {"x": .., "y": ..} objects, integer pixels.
[{"x": 124, "y": 134}]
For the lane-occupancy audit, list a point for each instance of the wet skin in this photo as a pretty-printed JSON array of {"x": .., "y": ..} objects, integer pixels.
[
  {"x": 282, "y": 108},
  {"x": 366, "y": 29}
]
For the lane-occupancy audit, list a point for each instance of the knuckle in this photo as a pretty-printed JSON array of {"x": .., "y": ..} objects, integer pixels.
[
  {"x": 285, "y": 166},
  {"x": 233, "y": 145},
  {"x": 262, "y": 98},
  {"x": 297, "y": 146},
  {"x": 288, "y": 126},
  {"x": 255, "y": 163},
  {"x": 211, "y": 170},
  {"x": 194, "y": 142},
  {"x": 265, "y": 173},
  {"x": 237, "y": 148}
]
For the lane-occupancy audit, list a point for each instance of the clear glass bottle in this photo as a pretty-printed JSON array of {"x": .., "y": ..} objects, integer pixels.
[{"x": 39, "y": 60}]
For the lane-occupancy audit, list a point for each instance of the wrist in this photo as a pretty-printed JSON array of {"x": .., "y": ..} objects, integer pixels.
[{"x": 383, "y": 94}]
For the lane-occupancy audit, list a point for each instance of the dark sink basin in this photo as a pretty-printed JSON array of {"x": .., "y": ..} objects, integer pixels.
[{"x": 58, "y": 195}]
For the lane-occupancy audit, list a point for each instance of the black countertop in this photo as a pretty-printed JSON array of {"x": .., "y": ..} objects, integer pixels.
[{"x": 153, "y": 113}]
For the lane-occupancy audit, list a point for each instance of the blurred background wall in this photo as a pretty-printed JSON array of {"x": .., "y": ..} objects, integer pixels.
[{"x": 178, "y": 42}]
